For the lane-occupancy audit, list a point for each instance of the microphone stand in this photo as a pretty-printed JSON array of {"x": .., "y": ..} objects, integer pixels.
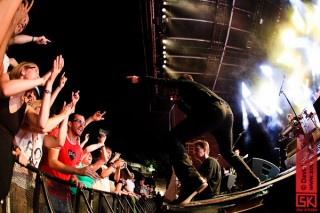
[
  {"x": 295, "y": 118},
  {"x": 281, "y": 92},
  {"x": 294, "y": 112},
  {"x": 239, "y": 136}
]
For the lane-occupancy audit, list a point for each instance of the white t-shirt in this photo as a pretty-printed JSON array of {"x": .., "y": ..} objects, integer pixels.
[
  {"x": 130, "y": 185},
  {"x": 31, "y": 147},
  {"x": 102, "y": 184},
  {"x": 6, "y": 63}
]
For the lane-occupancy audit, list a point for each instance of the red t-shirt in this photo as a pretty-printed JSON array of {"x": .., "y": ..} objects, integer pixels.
[{"x": 70, "y": 154}]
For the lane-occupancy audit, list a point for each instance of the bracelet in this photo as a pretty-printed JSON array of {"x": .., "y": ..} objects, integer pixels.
[
  {"x": 114, "y": 166},
  {"x": 32, "y": 39},
  {"x": 47, "y": 91}
]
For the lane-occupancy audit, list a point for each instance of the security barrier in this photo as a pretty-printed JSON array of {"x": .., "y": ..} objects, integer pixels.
[{"x": 34, "y": 198}]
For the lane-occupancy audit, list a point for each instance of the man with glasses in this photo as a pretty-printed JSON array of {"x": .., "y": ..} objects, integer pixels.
[{"x": 62, "y": 162}]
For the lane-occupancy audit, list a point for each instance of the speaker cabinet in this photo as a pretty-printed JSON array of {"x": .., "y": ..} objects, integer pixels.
[{"x": 264, "y": 169}]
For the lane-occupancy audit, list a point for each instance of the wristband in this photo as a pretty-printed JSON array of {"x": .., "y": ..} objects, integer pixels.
[{"x": 32, "y": 39}]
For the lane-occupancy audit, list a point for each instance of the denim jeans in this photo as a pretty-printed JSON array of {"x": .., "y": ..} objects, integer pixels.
[{"x": 59, "y": 205}]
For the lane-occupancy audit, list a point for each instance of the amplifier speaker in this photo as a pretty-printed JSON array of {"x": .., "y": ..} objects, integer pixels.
[
  {"x": 263, "y": 168},
  {"x": 228, "y": 182}
]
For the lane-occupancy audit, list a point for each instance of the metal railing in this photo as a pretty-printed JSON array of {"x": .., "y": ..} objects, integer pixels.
[{"x": 86, "y": 199}]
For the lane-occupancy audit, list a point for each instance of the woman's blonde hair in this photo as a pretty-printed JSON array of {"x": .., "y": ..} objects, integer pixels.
[
  {"x": 15, "y": 73},
  {"x": 36, "y": 103}
]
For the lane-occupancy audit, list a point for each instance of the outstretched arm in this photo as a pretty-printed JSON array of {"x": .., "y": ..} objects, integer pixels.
[
  {"x": 86, "y": 139},
  {"x": 97, "y": 116},
  {"x": 53, "y": 121},
  {"x": 54, "y": 95},
  {"x": 102, "y": 138},
  {"x": 42, "y": 120},
  {"x": 22, "y": 39},
  {"x": 16, "y": 86},
  {"x": 74, "y": 99},
  {"x": 102, "y": 159},
  {"x": 54, "y": 163}
]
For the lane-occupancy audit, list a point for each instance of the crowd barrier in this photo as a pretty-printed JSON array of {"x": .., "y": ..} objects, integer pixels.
[{"x": 86, "y": 199}]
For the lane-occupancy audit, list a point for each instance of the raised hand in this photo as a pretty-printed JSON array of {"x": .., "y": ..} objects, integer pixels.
[
  {"x": 116, "y": 155},
  {"x": 63, "y": 80},
  {"x": 58, "y": 64},
  {"x": 75, "y": 97},
  {"x": 67, "y": 108},
  {"x": 86, "y": 138},
  {"x": 102, "y": 138},
  {"x": 97, "y": 116}
]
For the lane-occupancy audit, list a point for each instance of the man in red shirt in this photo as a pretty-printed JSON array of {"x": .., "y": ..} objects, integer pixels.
[{"x": 61, "y": 162}]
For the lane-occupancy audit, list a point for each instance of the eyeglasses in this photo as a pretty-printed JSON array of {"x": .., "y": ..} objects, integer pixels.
[{"x": 80, "y": 122}]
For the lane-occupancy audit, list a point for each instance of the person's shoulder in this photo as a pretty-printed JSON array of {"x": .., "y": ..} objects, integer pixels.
[{"x": 212, "y": 159}]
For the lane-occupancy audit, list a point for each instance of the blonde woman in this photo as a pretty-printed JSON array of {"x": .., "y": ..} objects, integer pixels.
[{"x": 14, "y": 111}]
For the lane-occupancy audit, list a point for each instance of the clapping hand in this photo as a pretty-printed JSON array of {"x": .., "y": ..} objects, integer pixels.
[{"x": 58, "y": 65}]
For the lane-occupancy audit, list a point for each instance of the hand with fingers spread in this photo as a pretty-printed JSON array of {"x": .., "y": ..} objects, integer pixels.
[
  {"x": 98, "y": 116},
  {"x": 58, "y": 65},
  {"x": 88, "y": 171}
]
